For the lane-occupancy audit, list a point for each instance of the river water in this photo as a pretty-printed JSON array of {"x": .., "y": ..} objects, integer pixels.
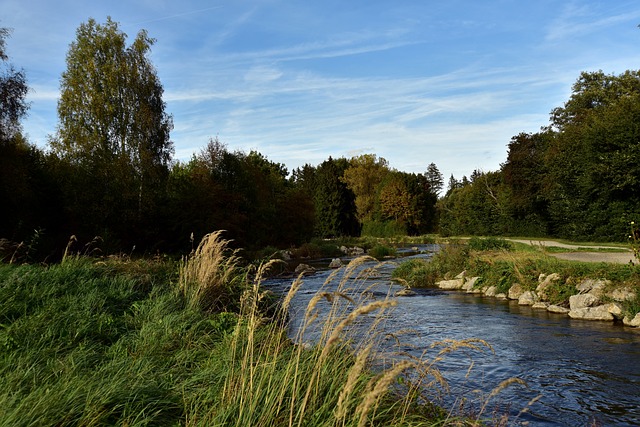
[{"x": 577, "y": 373}]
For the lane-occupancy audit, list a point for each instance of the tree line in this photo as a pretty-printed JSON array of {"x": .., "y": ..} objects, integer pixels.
[
  {"x": 577, "y": 178},
  {"x": 108, "y": 172}
]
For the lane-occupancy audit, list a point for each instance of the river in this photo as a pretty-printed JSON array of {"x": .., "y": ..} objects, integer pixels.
[{"x": 577, "y": 373}]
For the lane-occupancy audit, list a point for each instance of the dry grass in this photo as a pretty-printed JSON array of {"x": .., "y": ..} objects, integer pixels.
[{"x": 210, "y": 275}]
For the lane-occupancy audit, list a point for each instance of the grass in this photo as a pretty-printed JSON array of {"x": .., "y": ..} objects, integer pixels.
[
  {"x": 522, "y": 264},
  {"x": 121, "y": 342}
]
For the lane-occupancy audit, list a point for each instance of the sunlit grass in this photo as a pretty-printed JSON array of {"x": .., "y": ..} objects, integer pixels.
[{"x": 117, "y": 342}]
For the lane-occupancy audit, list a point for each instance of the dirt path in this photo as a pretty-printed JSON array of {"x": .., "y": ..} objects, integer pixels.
[{"x": 613, "y": 257}]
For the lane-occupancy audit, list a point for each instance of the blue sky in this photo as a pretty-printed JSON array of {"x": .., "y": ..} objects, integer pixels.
[{"x": 415, "y": 82}]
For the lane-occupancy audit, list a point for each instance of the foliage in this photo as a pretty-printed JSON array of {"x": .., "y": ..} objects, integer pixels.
[
  {"x": 86, "y": 343},
  {"x": 381, "y": 251},
  {"x": 363, "y": 177},
  {"x": 13, "y": 93},
  {"x": 489, "y": 244}
]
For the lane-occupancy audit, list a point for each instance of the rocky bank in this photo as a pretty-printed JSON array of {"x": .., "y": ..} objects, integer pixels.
[{"x": 593, "y": 299}]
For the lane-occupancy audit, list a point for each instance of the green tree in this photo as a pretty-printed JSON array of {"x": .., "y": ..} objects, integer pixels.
[
  {"x": 114, "y": 129},
  {"x": 363, "y": 177},
  {"x": 435, "y": 179},
  {"x": 13, "y": 92},
  {"x": 335, "y": 212},
  {"x": 594, "y": 158}
]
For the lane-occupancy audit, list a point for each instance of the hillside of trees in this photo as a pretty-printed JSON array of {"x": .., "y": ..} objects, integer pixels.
[
  {"x": 577, "y": 178},
  {"x": 108, "y": 173}
]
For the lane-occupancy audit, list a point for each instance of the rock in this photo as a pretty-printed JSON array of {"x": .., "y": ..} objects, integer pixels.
[
  {"x": 528, "y": 298},
  {"x": 406, "y": 292},
  {"x": 540, "y": 305},
  {"x": 544, "y": 282},
  {"x": 285, "y": 255},
  {"x": 635, "y": 322},
  {"x": 557, "y": 309},
  {"x": 624, "y": 294},
  {"x": 501, "y": 296},
  {"x": 461, "y": 275},
  {"x": 455, "y": 284},
  {"x": 592, "y": 286},
  {"x": 304, "y": 269},
  {"x": 515, "y": 291},
  {"x": 490, "y": 291},
  {"x": 583, "y": 301},
  {"x": 335, "y": 263},
  {"x": 616, "y": 310},
  {"x": 356, "y": 251},
  {"x": 469, "y": 284},
  {"x": 600, "y": 312}
]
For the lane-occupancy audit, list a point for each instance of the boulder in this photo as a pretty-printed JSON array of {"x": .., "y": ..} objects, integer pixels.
[
  {"x": 285, "y": 255},
  {"x": 335, "y": 263},
  {"x": 583, "y": 301},
  {"x": 515, "y": 291},
  {"x": 593, "y": 286},
  {"x": 469, "y": 283},
  {"x": 544, "y": 281},
  {"x": 634, "y": 322},
  {"x": 528, "y": 298},
  {"x": 455, "y": 284},
  {"x": 304, "y": 269},
  {"x": 406, "y": 292},
  {"x": 490, "y": 291},
  {"x": 557, "y": 309},
  {"x": 616, "y": 310},
  {"x": 540, "y": 305},
  {"x": 600, "y": 312},
  {"x": 501, "y": 296},
  {"x": 624, "y": 294}
]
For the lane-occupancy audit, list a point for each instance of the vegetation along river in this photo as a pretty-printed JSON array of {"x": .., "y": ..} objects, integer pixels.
[{"x": 578, "y": 373}]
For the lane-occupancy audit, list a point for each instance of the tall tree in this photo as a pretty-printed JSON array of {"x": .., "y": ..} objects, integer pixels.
[
  {"x": 335, "y": 212},
  {"x": 435, "y": 179},
  {"x": 363, "y": 177},
  {"x": 113, "y": 125},
  {"x": 13, "y": 92}
]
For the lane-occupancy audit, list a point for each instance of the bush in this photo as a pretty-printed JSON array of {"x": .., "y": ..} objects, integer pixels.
[
  {"x": 380, "y": 252},
  {"x": 489, "y": 244},
  {"x": 383, "y": 229}
]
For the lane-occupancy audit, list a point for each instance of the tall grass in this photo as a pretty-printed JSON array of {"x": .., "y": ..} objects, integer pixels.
[{"x": 86, "y": 343}]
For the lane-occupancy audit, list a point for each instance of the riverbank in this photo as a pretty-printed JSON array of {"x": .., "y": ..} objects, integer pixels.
[
  {"x": 529, "y": 274},
  {"x": 199, "y": 343}
]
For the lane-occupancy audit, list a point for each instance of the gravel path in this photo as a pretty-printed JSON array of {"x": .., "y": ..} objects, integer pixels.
[{"x": 613, "y": 257}]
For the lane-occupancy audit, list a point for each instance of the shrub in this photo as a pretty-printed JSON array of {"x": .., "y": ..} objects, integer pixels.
[
  {"x": 489, "y": 244},
  {"x": 380, "y": 252}
]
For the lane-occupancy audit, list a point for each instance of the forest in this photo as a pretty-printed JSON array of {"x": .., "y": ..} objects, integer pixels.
[{"x": 108, "y": 174}]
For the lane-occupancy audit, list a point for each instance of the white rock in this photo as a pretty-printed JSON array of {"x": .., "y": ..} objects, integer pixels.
[
  {"x": 490, "y": 291},
  {"x": 540, "y": 305},
  {"x": 624, "y": 294},
  {"x": 600, "y": 312},
  {"x": 304, "y": 269},
  {"x": 635, "y": 322},
  {"x": 469, "y": 283},
  {"x": 616, "y": 310},
  {"x": 455, "y": 284},
  {"x": 501, "y": 296},
  {"x": 544, "y": 282},
  {"x": 552, "y": 308},
  {"x": 515, "y": 291},
  {"x": 528, "y": 298},
  {"x": 592, "y": 286},
  {"x": 335, "y": 263},
  {"x": 557, "y": 309},
  {"x": 582, "y": 301}
]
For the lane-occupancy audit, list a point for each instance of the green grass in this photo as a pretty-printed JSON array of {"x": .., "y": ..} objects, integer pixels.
[
  {"x": 522, "y": 264},
  {"x": 117, "y": 342}
]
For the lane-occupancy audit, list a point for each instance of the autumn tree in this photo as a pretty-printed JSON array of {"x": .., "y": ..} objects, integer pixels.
[
  {"x": 113, "y": 128},
  {"x": 363, "y": 177}
]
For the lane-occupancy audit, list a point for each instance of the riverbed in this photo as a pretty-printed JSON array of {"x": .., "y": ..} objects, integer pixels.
[{"x": 578, "y": 373}]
